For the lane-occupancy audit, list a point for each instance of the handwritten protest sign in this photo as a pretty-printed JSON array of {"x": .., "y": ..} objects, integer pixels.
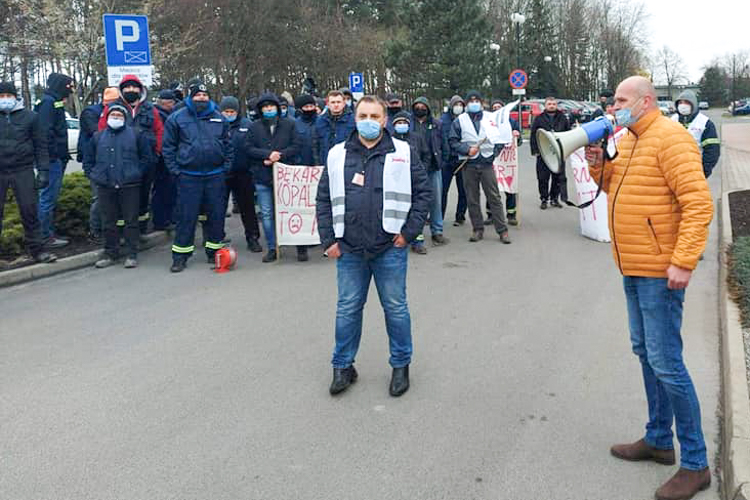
[
  {"x": 295, "y": 188},
  {"x": 506, "y": 169}
]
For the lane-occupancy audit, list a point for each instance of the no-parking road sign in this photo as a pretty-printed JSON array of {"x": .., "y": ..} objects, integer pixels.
[{"x": 518, "y": 79}]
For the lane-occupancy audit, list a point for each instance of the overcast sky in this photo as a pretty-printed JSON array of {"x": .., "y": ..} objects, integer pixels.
[{"x": 699, "y": 30}]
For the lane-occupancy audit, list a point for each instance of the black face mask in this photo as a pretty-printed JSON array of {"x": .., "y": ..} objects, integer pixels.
[
  {"x": 394, "y": 109},
  {"x": 200, "y": 106},
  {"x": 131, "y": 97},
  {"x": 420, "y": 112},
  {"x": 309, "y": 115}
]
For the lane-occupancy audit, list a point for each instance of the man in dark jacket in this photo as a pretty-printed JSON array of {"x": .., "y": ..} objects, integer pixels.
[
  {"x": 402, "y": 130},
  {"x": 474, "y": 138},
  {"x": 145, "y": 119},
  {"x": 23, "y": 143},
  {"x": 164, "y": 195},
  {"x": 552, "y": 120},
  {"x": 335, "y": 125},
  {"x": 305, "y": 124},
  {"x": 271, "y": 139},
  {"x": 451, "y": 162},
  {"x": 88, "y": 126},
  {"x": 239, "y": 178},
  {"x": 115, "y": 160},
  {"x": 372, "y": 202},
  {"x": 51, "y": 111},
  {"x": 198, "y": 152},
  {"x": 700, "y": 127},
  {"x": 431, "y": 131}
]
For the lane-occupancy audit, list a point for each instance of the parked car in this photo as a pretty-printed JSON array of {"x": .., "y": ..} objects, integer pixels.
[
  {"x": 529, "y": 110},
  {"x": 742, "y": 109},
  {"x": 703, "y": 105},
  {"x": 74, "y": 128},
  {"x": 664, "y": 108}
]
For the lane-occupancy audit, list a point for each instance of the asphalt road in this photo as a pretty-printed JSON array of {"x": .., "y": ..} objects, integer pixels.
[{"x": 139, "y": 384}]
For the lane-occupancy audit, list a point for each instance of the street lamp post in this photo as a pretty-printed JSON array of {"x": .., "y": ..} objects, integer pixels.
[
  {"x": 518, "y": 19},
  {"x": 547, "y": 79}
]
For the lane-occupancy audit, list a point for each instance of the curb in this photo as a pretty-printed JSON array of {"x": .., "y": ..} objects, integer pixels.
[
  {"x": 736, "y": 439},
  {"x": 38, "y": 271}
]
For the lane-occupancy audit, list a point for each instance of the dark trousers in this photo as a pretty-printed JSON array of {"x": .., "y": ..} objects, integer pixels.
[
  {"x": 163, "y": 198},
  {"x": 119, "y": 204},
  {"x": 193, "y": 193},
  {"x": 476, "y": 174},
  {"x": 553, "y": 190},
  {"x": 510, "y": 205},
  {"x": 242, "y": 187},
  {"x": 144, "y": 214},
  {"x": 447, "y": 180},
  {"x": 22, "y": 183}
]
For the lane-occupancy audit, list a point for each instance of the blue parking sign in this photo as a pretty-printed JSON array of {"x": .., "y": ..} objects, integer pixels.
[
  {"x": 126, "y": 40},
  {"x": 356, "y": 82}
]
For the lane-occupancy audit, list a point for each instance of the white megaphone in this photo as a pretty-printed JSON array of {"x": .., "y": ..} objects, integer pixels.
[{"x": 555, "y": 147}]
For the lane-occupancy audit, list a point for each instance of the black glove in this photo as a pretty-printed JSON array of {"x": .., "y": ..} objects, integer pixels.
[{"x": 42, "y": 179}]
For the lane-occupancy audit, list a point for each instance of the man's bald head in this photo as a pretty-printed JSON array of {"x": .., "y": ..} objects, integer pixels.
[{"x": 636, "y": 93}]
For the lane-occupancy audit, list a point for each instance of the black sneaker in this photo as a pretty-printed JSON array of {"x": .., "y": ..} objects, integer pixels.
[
  {"x": 555, "y": 203},
  {"x": 178, "y": 266},
  {"x": 44, "y": 258},
  {"x": 254, "y": 246},
  {"x": 269, "y": 257},
  {"x": 459, "y": 222},
  {"x": 543, "y": 206},
  {"x": 55, "y": 242},
  {"x": 512, "y": 220},
  {"x": 302, "y": 254},
  {"x": 96, "y": 238}
]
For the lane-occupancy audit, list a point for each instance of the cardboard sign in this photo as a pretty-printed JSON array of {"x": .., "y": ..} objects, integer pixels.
[
  {"x": 295, "y": 188},
  {"x": 506, "y": 169}
]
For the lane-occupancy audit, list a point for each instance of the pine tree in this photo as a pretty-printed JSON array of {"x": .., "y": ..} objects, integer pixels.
[{"x": 713, "y": 85}]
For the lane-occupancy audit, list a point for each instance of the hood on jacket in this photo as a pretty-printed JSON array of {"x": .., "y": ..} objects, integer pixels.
[
  {"x": 268, "y": 97},
  {"x": 136, "y": 80},
  {"x": 688, "y": 95},
  {"x": 422, "y": 100},
  {"x": 191, "y": 107},
  {"x": 57, "y": 85},
  {"x": 455, "y": 100}
]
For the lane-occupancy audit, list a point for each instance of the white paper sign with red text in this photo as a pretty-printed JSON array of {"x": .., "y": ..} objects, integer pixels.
[
  {"x": 295, "y": 190},
  {"x": 506, "y": 169}
]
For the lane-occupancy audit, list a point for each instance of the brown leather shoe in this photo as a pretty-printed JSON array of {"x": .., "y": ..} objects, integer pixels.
[
  {"x": 640, "y": 450},
  {"x": 684, "y": 484}
]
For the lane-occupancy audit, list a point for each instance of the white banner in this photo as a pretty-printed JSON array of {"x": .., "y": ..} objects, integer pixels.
[
  {"x": 506, "y": 169},
  {"x": 594, "y": 220},
  {"x": 295, "y": 188}
]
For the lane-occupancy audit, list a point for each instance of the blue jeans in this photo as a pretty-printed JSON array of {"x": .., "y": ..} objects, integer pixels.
[
  {"x": 265, "y": 202},
  {"x": 354, "y": 274},
  {"x": 48, "y": 199},
  {"x": 655, "y": 316},
  {"x": 436, "y": 205}
]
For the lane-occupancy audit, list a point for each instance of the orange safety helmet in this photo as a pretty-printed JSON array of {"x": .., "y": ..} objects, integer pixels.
[{"x": 225, "y": 259}]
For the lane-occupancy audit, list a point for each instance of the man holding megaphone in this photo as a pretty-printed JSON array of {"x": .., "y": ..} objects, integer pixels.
[{"x": 659, "y": 210}]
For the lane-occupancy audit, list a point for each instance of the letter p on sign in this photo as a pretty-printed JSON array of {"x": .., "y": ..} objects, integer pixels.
[{"x": 121, "y": 38}]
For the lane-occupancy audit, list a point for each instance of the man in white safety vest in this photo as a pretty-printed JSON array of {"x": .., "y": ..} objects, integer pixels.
[
  {"x": 700, "y": 127},
  {"x": 476, "y": 139},
  {"x": 372, "y": 201}
]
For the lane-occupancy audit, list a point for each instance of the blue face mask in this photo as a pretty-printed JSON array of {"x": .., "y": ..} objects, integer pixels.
[
  {"x": 270, "y": 114},
  {"x": 624, "y": 117},
  {"x": 401, "y": 128},
  {"x": 368, "y": 129},
  {"x": 230, "y": 118},
  {"x": 474, "y": 107},
  {"x": 7, "y": 103},
  {"x": 284, "y": 112}
]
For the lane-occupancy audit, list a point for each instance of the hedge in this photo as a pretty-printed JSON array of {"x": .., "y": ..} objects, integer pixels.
[
  {"x": 71, "y": 215},
  {"x": 739, "y": 276}
]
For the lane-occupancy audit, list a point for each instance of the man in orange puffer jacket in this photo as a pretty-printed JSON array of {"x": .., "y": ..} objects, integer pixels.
[{"x": 659, "y": 211}]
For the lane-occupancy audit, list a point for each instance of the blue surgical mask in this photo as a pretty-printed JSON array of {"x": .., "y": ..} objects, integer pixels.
[
  {"x": 401, "y": 128},
  {"x": 474, "y": 107},
  {"x": 624, "y": 117},
  {"x": 7, "y": 104},
  {"x": 230, "y": 118},
  {"x": 368, "y": 129},
  {"x": 284, "y": 112},
  {"x": 115, "y": 123},
  {"x": 270, "y": 114}
]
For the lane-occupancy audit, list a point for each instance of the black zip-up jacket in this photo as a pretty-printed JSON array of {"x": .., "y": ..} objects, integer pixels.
[
  {"x": 117, "y": 158},
  {"x": 260, "y": 143},
  {"x": 363, "y": 219},
  {"x": 51, "y": 110},
  {"x": 554, "y": 123},
  {"x": 23, "y": 140}
]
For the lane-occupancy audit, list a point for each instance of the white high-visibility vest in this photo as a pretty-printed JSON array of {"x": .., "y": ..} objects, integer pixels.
[
  {"x": 396, "y": 187},
  {"x": 488, "y": 129},
  {"x": 696, "y": 127}
]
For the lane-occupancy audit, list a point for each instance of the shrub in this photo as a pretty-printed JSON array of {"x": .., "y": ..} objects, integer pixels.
[
  {"x": 71, "y": 215},
  {"x": 739, "y": 276}
]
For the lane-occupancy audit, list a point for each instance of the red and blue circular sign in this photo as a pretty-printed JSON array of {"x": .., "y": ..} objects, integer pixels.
[{"x": 518, "y": 79}]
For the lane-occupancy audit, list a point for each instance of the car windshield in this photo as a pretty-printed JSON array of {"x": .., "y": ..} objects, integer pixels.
[{"x": 73, "y": 124}]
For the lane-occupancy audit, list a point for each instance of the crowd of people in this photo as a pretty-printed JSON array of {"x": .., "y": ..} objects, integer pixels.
[{"x": 180, "y": 160}]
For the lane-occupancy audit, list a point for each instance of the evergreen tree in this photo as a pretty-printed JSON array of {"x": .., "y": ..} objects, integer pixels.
[
  {"x": 714, "y": 85},
  {"x": 540, "y": 42}
]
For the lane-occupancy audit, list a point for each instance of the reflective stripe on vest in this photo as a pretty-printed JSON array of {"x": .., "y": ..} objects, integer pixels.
[
  {"x": 396, "y": 187},
  {"x": 696, "y": 128},
  {"x": 487, "y": 129}
]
